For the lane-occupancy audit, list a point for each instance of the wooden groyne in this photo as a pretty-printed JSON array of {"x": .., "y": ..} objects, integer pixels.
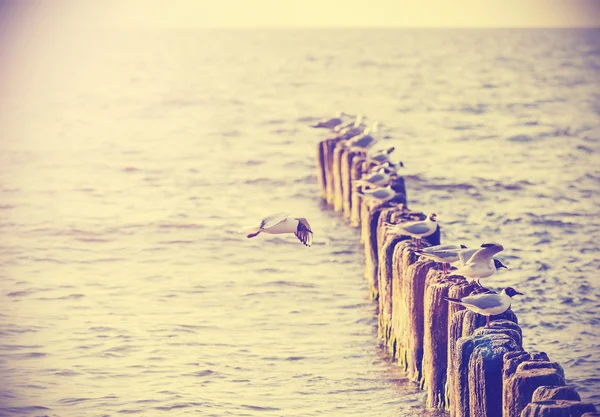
[{"x": 466, "y": 368}]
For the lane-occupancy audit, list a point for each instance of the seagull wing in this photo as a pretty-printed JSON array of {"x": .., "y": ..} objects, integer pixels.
[
  {"x": 382, "y": 193},
  {"x": 273, "y": 220},
  {"x": 465, "y": 255},
  {"x": 304, "y": 232},
  {"x": 485, "y": 254},
  {"x": 483, "y": 301},
  {"x": 417, "y": 228}
]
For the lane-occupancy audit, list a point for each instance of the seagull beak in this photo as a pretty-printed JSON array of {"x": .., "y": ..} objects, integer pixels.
[
  {"x": 519, "y": 293},
  {"x": 504, "y": 266}
]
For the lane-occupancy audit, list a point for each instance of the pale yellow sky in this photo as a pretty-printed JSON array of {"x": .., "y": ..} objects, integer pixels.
[{"x": 317, "y": 13}]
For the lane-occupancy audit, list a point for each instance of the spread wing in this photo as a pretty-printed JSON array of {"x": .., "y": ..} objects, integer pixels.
[
  {"x": 273, "y": 219},
  {"x": 485, "y": 301},
  {"x": 304, "y": 232},
  {"x": 465, "y": 255},
  {"x": 484, "y": 255}
]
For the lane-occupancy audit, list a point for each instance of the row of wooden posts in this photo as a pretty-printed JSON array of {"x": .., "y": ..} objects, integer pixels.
[{"x": 465, "y": 368}]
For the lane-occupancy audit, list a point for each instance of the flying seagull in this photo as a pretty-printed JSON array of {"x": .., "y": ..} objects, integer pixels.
[
  {"x": 487, "y": 304},
  {"x": 279, "y": 223}
]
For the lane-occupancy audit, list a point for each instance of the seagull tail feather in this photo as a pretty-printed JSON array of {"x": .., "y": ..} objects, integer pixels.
[
  {"x": 453, "y": 300},
  {"x": 252, "y": 234}
]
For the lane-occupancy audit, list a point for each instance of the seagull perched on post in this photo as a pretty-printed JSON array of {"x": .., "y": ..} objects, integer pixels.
[
  {"x": 379, "y": 156},
  {"x": 279, "y": 223},
  {"x": 416, "y": 230},
  {"x": 481, "y": 264},
  {"x": 379, "y": 177},
  {"x": 444, "y": 254},
  {"x": 364, "y": 140},
  {"x": 332, "y": 122},
  {"x": 487, "y": 304}
]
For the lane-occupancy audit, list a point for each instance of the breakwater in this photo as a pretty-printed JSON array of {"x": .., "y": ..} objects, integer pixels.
[{"x": 466, "y": 368}]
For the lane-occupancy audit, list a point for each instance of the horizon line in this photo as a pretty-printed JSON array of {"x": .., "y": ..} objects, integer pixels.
[{"x": 358, "y": 27}]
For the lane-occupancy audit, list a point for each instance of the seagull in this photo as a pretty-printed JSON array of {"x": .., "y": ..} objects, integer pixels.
[
  {"x": 279, "y": 223},
  {"x": 465, "y": 255},
  {"x": 350, "y": 129},
  {"x": 330, "y": 123},
  {"x": 487, "y": 304},
  {"x": 389, "y": 167},
  {"x": 445, "y": 254},
  {"x": 366, "y": 140},
  {"x": 379, "y": 177},
  {"x": 417, "y": 230},
  {"x": 380, "y": 194},
  {"x": 379, "y": 156},
  {"x": 431, "y": 249},
  {"x": 481, "y": 264}
]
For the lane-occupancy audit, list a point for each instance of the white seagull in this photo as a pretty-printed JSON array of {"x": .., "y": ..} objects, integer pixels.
[
  {"x": 366, "y": 140},
  {"x": 379, "y": 156},
  {"x": 481, "y": 264},
  {"x": 390, "y": 168},
  {"x": 487, "y": 304},
  {"x": 444, "y": 254},
  {"x": 382, "y": 195},
  {"x": 350, "y": 129},
  {"x": 417, "y": 230},
  {"x": 279, "y": 223},
  {"x": 332, "y": 122},
  {"x": 379, "y": 177}
]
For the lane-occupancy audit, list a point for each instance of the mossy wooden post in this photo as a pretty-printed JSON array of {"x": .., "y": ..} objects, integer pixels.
[
  {"x": 435, "y": 339},
  {"x": 356, "y": 171},
  {"x": 467, "y": 327},
  {"x": 328, "y": 148},
  {"x": 379, "y": 236},
  {"x": 519, "y": 388},
  {"x": 371, "y": 245},
  {"x": 485, "y": 374},
  {"x": 546, "y": 393},
  {"x": 338, "y": 154},
  {"x": 415, "y": 283},
  {"x": 347, "y": 177},
  {"x": 386, "y": 275},
  {"x": 557, "y": 408},
  {"x": 321, "y": 174},
  {"x": 403, "y": 258}
]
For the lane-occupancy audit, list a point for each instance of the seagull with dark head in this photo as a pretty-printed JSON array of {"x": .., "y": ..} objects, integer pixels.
[
  {"x": 379, "y": 177},
  {"x": 488, "y": 304},
  {"x": 331, "y": 122},
  {"x": 444, "y": 254},
  {"x": 416, "y": 230},
  {"x": 481, "y": 264},
  {"x": 279, "y": 223}
]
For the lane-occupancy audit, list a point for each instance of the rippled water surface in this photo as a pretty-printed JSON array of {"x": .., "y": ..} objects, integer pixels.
[{"x": 129, "y": 160}]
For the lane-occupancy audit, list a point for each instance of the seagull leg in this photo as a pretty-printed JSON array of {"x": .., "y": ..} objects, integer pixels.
[
  {"x": 445, "y": 268},
  {"x": 487, "y": 321}
]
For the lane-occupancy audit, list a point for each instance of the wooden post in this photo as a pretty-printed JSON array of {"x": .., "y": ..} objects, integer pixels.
[
  {"x": 485, "y": 374},
  {"x": 557, "y": 408},
  {"x": 435, "y": 339},
  {"x": 321, "y": 175},
  {"x": 546, "y": 393},
  {"x": 356, "y": 172},
  {"x": 329, "y": 148},
  {"x": 519, "y": 388}
]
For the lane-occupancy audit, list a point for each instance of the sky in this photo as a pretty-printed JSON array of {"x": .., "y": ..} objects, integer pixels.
[{"x": 307, "y": 13}]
